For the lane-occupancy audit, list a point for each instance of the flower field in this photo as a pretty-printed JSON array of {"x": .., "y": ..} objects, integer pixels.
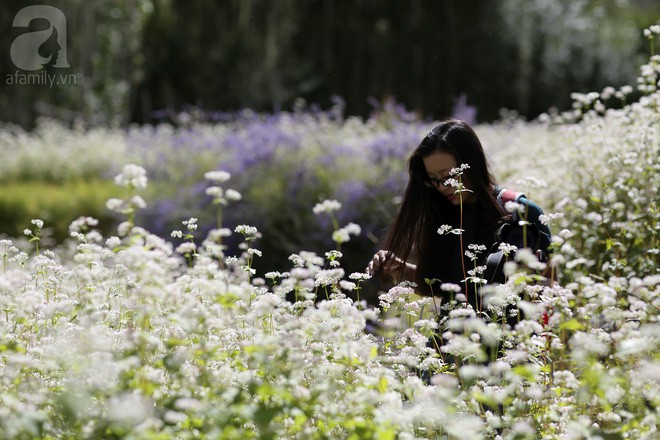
[{"x": 222, "y": 296}]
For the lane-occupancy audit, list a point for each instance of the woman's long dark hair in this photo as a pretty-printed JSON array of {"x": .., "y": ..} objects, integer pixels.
[{"x": 413, "y": 236}]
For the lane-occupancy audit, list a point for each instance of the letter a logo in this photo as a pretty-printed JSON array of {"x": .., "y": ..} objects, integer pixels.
[{"x": 25, "y": 48}]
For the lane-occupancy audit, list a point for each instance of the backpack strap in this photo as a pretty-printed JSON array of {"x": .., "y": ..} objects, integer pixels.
[{"x": 504, "y": 195}]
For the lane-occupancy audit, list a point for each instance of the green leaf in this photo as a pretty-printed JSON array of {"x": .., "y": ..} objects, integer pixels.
[
  {"x": 524, "y": 372},
  {"x": 382, "y": 385},
  {"x": 571, "y": 324}
]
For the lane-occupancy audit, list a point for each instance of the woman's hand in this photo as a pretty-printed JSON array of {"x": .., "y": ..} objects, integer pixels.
[
  {"x": 377, "y": 262},
  {"x": 381, "y": 262}
]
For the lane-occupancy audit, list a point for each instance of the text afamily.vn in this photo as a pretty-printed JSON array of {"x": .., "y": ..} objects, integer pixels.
[{"x": 42, "y": 78}]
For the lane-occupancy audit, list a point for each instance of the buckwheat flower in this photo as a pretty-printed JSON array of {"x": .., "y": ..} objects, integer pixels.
[
  {"x": 522, "y": 429},
  {"x": 584, "y": 345},
  {"x": 594, "y": 218},
  {"x": 327, "y": 206},
  {"x": 565, "y": 234},
  {"x": 510, "y": 268},
  {"x": 258, "y": 282},
  {"x": 125, "y": 228},
  {"x": 191, "y": 224},
  {"x": 297, "y": 260},
  {"x": 444, "y": 229},
  {"x": 38, "y": 223},
  {"x": 634, "y": 346},
  {"x": 27, "y": 232},
  {"x": 174, "y": 417},
  {"x": 176, "y": 234},
  {"x": 328, "y": 277},
  {"x": 215, "y": 191},
  {"x": 514, "y": 207},
  {"x": 343, "y": 235},
  {"x": 347, "y": 285},
  {"x": 138, "y": 202},
  {"x": 340, "y": 236},
  {"x": 273, "y": 275},
  {"x": 479, "y": 270},
  {"x": 359, "y": 276},
  {"x": 533, "y": 182},
  {"x": 333, "y": 255},
  {"x": 246, "y": 230},
  {"x": 556, "y": 260},
  {"x": 188, "y": 404},
  {"x": 132, "y": 176},
  {"x": 529, "y": 259},
  {"x": 186, "y": 248},
  {"x": 457, "y": 171},
  {"x": 253, "y": 251},
  {"x": 428, "y": 324},
  {"x": 129, "y": 409},
  {"x": 217, "y": 176},
  {"x": 113, "y": 242},
  {"x": 116, "y": 205},
  {"x": 453, "y": 183},
  {"x": 233, "y": 195},
  {"x": 545, "y": 219},
  {"x": 626, "y": 90},
  {"x": 507, "y": 248},
  {"x": 607, "y": 93},
  {"x": 450, "y": 287}
]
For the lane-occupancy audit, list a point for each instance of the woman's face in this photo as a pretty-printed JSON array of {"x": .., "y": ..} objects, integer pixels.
[{"x": 437, "y": 167}]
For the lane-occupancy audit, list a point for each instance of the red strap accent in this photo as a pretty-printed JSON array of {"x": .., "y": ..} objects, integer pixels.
[{"x": 509, "y": 196}]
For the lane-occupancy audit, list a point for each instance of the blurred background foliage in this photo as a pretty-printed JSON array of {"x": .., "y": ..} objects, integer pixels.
[
  {"x": 141, "y": 61},
  {"x": 300, "y": 100}
]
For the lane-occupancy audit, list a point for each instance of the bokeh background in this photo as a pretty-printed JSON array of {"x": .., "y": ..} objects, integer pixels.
[
  {"x": 142, "y": 61},
  {"x": 300, "y": 100}
]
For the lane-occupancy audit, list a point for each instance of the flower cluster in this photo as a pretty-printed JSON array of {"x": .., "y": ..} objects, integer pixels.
[{"x": 129, "y": 336}]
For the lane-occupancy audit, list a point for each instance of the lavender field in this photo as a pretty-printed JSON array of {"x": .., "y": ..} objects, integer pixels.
[{"x": 228, "y": 299}]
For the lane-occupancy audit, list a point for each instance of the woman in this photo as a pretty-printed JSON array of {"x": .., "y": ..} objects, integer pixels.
[{"x": 467, "y": 201}]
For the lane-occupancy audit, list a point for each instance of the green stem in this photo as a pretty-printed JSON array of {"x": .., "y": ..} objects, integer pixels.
[
  {"x": 219, "y": 217},
  {"x": 460, "y": 238}
]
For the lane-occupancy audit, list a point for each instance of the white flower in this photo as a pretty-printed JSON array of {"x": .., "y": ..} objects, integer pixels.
[
  {"x": 347, "y": 285},
  {"x": 450, "y": 287},
  {"x": 327, "y": 206},
  {"x": 132, "y": 176},
  {"x": 233, "y": 195},
  {"x": 191, "y": 224},
  {"x": 457, "y": 171},
  {"x": 253, "y": 251},
  {"x": 186, "y": 248},
  {"x": 328, "y": 277},
  {"x": 507, "y": 248},
  {"x": 138, "y": 202},
  {"x": 215, "y": 192},
  {"x": 113, "y": 242},
  {"x": 514, "y": 207},
  {"x": 114, "y": 204},
  {"x": 124, "y": 228},
  {"x": 246, "y": 230},
  {"x": 217, "y": 176},
  {"x": 340, "y": 236},
  {"x": 442, "y": 230},
  {"x": 129, "y": 409}
]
